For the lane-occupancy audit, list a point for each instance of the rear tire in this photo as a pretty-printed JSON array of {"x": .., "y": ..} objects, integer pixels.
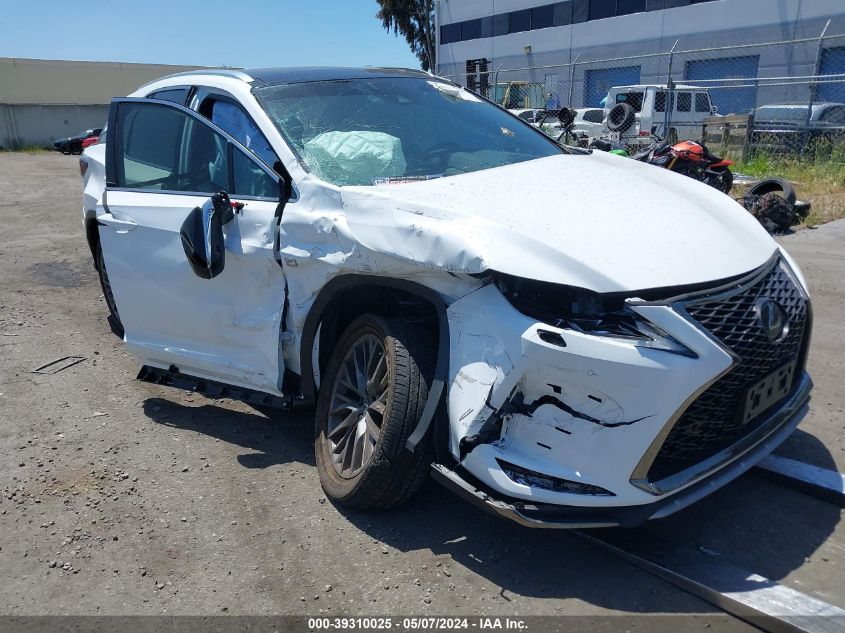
[
  {"x": 371, "y": 397},
  {"x": 724, "y": 182},
  {"x": 108, "y": 295}
]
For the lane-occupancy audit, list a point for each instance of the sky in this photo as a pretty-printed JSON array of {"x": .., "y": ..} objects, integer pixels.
[{"x": 239, "y": 33}]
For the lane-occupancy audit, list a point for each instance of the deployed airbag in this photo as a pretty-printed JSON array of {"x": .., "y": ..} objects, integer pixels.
[{"x": 355, "y": 157}]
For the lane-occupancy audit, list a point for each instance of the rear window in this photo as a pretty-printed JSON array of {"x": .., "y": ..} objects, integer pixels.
[
  {"x": 702, "y": 102},
  {"x": 633, "y": 99}
]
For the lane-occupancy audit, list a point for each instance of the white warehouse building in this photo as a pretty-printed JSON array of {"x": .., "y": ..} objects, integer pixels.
[{"x": 748, "y": 52}]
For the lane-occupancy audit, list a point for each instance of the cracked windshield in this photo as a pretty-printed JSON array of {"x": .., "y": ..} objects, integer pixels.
[{"x": 389, "y": 130}]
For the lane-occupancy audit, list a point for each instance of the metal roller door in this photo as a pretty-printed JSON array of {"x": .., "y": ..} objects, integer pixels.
[
  {"x": 728, "y": 99},
  {"x": 598, "y": 82}
]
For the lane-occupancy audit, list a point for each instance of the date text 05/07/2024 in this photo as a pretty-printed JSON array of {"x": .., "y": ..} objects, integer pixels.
[{"x": 416, "y": 623}]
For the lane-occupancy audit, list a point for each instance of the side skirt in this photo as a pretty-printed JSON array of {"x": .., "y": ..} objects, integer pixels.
[{"x": 172, "y": 377}]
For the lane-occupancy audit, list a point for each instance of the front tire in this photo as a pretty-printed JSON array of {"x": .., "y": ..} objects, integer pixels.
[{"x": 371, "y": 397}]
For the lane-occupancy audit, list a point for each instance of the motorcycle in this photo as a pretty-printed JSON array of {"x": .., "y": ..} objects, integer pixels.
[{"x": 691, "y": 159}]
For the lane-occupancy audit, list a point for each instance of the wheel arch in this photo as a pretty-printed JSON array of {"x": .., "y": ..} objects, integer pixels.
[{"x": 344, "y": 298}]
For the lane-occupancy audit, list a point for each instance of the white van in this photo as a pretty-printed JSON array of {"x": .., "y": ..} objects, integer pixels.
[{"x": 687, "y": 107}]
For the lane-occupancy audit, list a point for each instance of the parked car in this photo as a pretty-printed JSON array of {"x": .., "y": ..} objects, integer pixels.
[
  {"x": 361, "y": 240},
  {"x": 91, "y": 140},
  {"x": 633, "y": 113},
  {"x": 534, "y": 116},
  {"x": 787, "y": 127},
  {"x": 73, "y": 144},
  {"x": 588, "y": 122}
]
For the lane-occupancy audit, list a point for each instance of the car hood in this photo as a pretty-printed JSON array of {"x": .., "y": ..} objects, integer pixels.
[{"x": 599, "y": 221}]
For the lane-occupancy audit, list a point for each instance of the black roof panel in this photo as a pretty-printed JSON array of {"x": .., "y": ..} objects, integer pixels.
[{"x": 274, "y": 76}]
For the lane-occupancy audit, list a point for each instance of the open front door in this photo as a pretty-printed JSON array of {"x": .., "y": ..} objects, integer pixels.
[{"x": 163, "y": 160}]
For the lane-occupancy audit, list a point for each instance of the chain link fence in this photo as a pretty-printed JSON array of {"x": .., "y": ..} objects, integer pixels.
[{"x": 782, "y": 96}]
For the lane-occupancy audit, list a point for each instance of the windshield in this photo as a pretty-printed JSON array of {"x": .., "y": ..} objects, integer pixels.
[
  {"x": 382, "y": 130},
  {"x": 775, "y": 113}
]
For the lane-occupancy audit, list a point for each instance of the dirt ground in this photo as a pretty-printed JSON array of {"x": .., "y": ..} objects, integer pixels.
[{"x": 121, "y": 497}]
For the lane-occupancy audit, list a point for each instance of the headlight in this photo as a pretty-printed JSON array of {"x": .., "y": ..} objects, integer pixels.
[{"x": 587, "y": 312}]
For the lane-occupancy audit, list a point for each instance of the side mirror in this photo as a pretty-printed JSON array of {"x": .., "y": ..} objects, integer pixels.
[
  {"x": 202, "y": 236},
  {"x": 566, "y": 116}
]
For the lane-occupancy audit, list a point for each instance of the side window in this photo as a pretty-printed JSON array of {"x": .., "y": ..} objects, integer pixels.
[
  {"x": 232, "y": 118},
  {"x": 594, "y": 116},
  {"x": 660, "y": 100},
  {"x": 150, "y": 140},
  {"x": 836, "y": 114},
  {"x": 164, "y": 149},
  {"x": 684, "y": 102},
  {"x": 176, "y": 95},
  {"x": 702, "y": 102},
  {"x": 250, "y": 179}
]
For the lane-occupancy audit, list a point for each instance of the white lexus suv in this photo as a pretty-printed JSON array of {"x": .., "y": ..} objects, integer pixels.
[{"x": 566, "y": 339}]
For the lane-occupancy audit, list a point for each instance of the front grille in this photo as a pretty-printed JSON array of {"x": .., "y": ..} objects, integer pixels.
[{"x": 713, "y": 421}]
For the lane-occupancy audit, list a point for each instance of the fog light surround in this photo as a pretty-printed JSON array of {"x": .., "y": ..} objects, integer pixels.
[{"x": 527, "y": 477}]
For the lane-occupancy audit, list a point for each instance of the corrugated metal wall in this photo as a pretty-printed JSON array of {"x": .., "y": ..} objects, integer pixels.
[
  {"x": 40, "y": 125},
  {"x": 44, "y": 100}
]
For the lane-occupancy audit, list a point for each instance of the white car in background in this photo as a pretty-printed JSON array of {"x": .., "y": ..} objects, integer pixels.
[
  {"x": 589, "y": 122},
  {"x": 534, "y": 116},
  {"x": 375, "y": 242}
]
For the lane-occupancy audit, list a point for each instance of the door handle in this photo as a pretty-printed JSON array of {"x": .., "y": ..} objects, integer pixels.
[{"x": 123, "y": 225}]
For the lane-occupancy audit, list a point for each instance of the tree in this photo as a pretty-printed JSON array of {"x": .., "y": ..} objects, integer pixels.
[{"x": 415, "y": 20}]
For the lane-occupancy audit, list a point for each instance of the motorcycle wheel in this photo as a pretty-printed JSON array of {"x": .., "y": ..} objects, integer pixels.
[{"x": 724, "y": 181}]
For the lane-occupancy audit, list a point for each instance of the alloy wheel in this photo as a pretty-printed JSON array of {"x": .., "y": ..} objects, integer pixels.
[{"x": 358, "y": 405}]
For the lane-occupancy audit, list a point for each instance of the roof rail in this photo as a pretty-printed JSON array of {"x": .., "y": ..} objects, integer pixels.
[{"x": 235, "y": 73}]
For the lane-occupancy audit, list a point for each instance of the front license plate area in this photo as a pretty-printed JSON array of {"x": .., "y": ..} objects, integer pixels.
[{"x": 768, "y": 391}]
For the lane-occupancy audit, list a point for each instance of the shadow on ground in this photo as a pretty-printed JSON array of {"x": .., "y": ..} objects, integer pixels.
[
  {"x": 752, "y": 523},
  {"x": 270, "y": 441}
]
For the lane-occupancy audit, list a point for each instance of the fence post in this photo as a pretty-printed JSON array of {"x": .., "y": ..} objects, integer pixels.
[
  {"x": 814, "y": 86},
  {"x": 494, "y": 95},
  {"x": 572, "y": 79},
  {"x": 670, "y": 96}
]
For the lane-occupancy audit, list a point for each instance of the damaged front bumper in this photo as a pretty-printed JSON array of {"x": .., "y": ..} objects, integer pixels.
[
  {"x": 742, "y": 457},
  {"x": 551, "y": 427}
]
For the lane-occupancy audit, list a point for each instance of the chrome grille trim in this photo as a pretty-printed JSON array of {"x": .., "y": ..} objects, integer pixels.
[{"x": 704, "y": 430}]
